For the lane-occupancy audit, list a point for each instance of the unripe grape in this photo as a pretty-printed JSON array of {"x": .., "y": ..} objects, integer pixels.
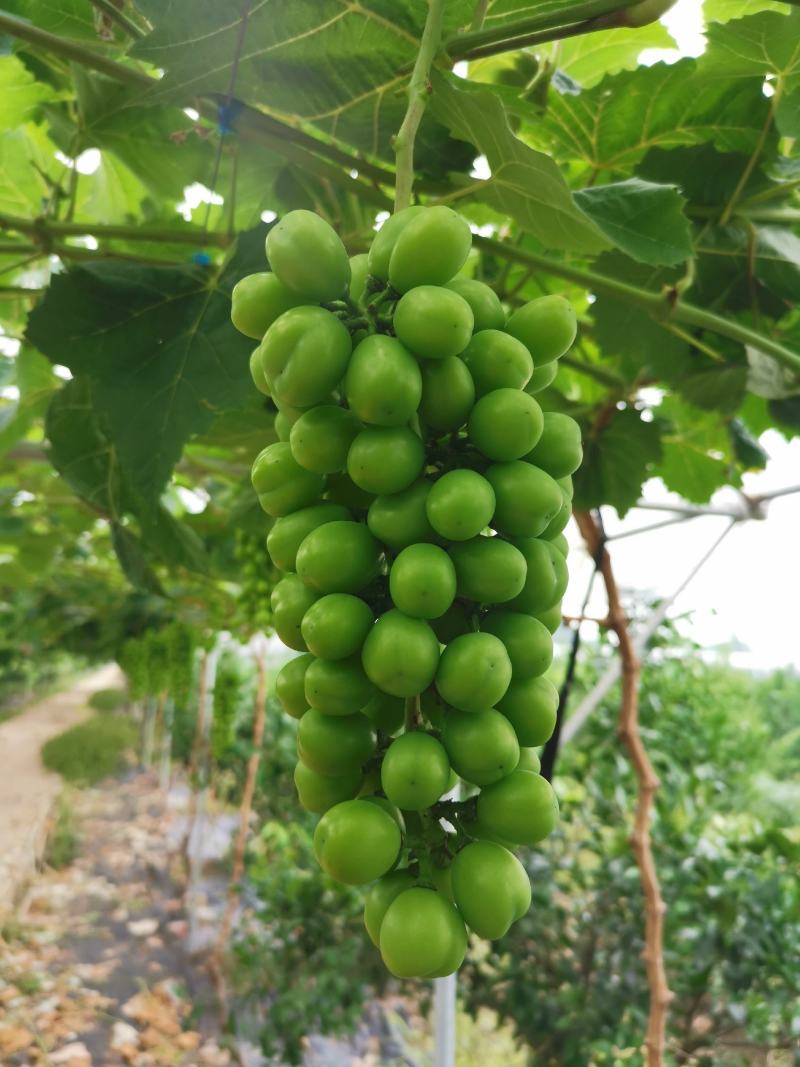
[
  {"x": 281, "y": 483},
  {"x": 485, "y": 303},
  {"x": 321, "y": 438},
  {"x": 257, "y": 300},
  {"x": 356, "y": 842},
  {"x": 400, "y": 654},
  {"x": 559, "y": 450},
  {"x": 497, "y": 361},
  {"x": 433, "y": 322},
  {"x": 460, "y": 504},
  {"x": 503, "y": 424},
  {"x": 385, "y": 459},
  {"x": 546, "y": 326},
  {"x": 474, "y": 672},
  {"x": 415, "y": 771},
  {"x": 307, "y": 255},
  {"x": 383, "y": 385},
  {"x": 521, "y": 808},
  {"x": 430, "y": 249}
]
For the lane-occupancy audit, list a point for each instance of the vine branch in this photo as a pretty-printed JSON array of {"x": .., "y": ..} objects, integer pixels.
[
  {"x": 118, "y": 16},
  {"x": 418, "y": 92},
  {"x": 655, "y": 908},
  {"x": 42, "y": 229},
  {"x": 664, "y": 306},
  {"x": 505, "y": 36}
]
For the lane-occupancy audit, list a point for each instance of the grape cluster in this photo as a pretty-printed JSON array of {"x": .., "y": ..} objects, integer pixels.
[
  {"x": 419, "y": 494},
  {"x": 256, "y": 576}
]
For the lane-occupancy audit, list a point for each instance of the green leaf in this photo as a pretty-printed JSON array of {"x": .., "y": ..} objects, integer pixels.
[
  {"x": 768, "y": 378},
  {"x": 770, "y": 253},
  {"x": 745, "y": 447},
  {"x": 617, "y": 462},
  {"x": 69, "y": 18},
  {"x": 592, "y": 57},
  {"x": 524, "y": 183},
  {"x": 28, "y": 170},
  {"x": 340, "y": 67},
  {"x": 614, "y": 124},
  {"x": 133, "y": 561},
  {"x": 687, "y": 469},
  {"x": 622, "y": 329},
  {"x": 34, "y": 379},
  {"x": 697, "y": 451},
  {"x": 787, "y": 116},
  {"x": 644, "y": 220},
  {"x": 725, "y": 10},
  {"x": 20, "y": 93},
  {"x": 80, "y": 449},
  {"x": 721, "y": 388},
  {"x": 159, "y": 348},
  {"x": 765, "y": 43}
]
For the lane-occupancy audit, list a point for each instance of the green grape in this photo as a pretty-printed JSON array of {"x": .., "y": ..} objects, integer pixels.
[
  {"x": 541, "y": 378},
  {"x": 521, "y": 808},
  {"x": 383, "y": 244},
  {"x": 433, "y": 322},
  {"x": 526, "y": 498},
  {"x": 474, "y": 672},
  {"x": 257, "y": 373},
  {"x": 546, "y": 326},
  {"x": 529, "y": 760},
  {"x": 291, "y": 598},
  {"x": 336, "y": 625},
  {"x": 448, "y": 393},
  {"x": 308, "y": 257},
  {"x": 290, "y": 685},
  {"x": 422, "y": 581},
  {"x": 334, "y": 745},
  {"x": 490, "y": 888},
  {"x": 385, "y": 712},
  {"x": 415, "y": 771},
  {"x": 359, "y": 269},
  {"x": 383, "y": 384},
  {"x": 460, "y": 505},
  {"x": 551, "y": 617},
  {"x": 400, "y": 654},
  {"x": 257, "y": 300},
  {"x": 497, "y": 361},
  {"x": 558, "y": 450},
  {"x": 356, "y": 842},
  {"x": 288, "y": 533},
  {"x": 318, "y": 793},
  {"x": 381, "y": 896},
  {"x": 531, "y": 705},
  {"x": 385, "y": 459},
  {"x": 528, "y": 641},
  {"x": 485, "y": 303},
  {"x": 422, "y": 935},
  {"x": 338, "y": 557},
  {"x": 488, "y": 569},
  {"x": 482, "y": 746},
  {"x": 429, "y": 250},
  {"x": 304, "y": 355},
  {"x": 321, "y": 438},
  {"x": 281, "y": 484},
  {"x": 505, "y": 424},
  {"x": 401, "y": 519},
  {"x": 543, "y": 579},
  {"x": 337, "y": 687}
]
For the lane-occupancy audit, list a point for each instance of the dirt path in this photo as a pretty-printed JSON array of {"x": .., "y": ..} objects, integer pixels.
[
  {"x": 27, "y": 789},
  {"x": 93, "y": 969}
]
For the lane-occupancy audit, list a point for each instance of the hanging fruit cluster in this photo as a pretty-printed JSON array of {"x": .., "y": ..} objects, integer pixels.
[
  {"x": 256, "y": 576},
  {"x": 419, "y": 495}
]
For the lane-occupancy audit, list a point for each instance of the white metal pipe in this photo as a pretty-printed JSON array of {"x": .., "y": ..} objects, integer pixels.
[{"x": 444, "y": 1021}]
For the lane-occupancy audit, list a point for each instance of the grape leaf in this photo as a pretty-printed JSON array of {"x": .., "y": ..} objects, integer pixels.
[
  {"x": 644, "y": 220},
  {"x": 617, "y": 461},
  {"x": 524, "y": 183},
  {"x": 590, "y": 58},
  {"x": 159, "y": 348},
  {"x": 687, "y": 469},
  {"x": 768, "y": 378},
  {"x": 721, "y": 387},
  {"x": 34, "y": 379},
  {"x": 765, "y": 43},
  {"x": 613, "y": 125},
  {"x": 20, "y": 93},
  {"x": 68, "y": 18},
  {"x": 339, "y": 66}
]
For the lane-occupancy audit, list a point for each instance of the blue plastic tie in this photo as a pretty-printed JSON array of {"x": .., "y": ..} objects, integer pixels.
[
  {"x": 227, "y": 114},
  {"x": 201, "y": 259}
]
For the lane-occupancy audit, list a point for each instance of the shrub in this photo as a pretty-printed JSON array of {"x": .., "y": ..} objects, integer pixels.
[
  {"x": 108, "y": 699},
  {"x": 93, "y": 750},
  {"x": 62, "y": 840}
]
